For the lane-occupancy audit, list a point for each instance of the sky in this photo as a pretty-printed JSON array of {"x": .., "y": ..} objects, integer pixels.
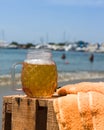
[{"x": 40, "y": 21}]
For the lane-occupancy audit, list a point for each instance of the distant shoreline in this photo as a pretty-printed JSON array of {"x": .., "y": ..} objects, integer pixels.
[
  {"x": 63, "y": 78},
  {"x": 70, "y": 46}
]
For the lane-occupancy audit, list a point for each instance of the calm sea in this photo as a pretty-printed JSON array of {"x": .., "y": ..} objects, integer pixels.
[{"x": 75, "y": 61}]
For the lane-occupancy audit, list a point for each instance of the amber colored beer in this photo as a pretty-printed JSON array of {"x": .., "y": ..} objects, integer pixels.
[{"x": 39, "y": 80}]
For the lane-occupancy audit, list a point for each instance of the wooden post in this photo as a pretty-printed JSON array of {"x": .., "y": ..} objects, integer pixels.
[{"x": 23, "y": 113}]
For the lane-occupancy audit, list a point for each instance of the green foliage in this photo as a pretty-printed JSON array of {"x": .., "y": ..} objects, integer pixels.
[
  {"x": 28, "y": 45},
  {"x": 14, "y": 43}
]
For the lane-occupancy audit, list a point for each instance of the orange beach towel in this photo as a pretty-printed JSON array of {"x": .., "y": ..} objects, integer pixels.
[{"x": 82, "y": 108}]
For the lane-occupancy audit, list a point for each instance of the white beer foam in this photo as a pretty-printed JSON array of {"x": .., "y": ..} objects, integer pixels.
[{"x": 38, "y": 61}]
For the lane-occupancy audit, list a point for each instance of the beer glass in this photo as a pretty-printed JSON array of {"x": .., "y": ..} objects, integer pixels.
[{"x": 38, "y": 74}]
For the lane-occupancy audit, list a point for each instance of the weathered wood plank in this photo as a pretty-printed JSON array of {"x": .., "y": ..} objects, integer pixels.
[{"x": 24, "y": 113}]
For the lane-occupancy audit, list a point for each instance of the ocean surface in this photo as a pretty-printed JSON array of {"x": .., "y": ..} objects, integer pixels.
[{"x": 74, "y": 62}]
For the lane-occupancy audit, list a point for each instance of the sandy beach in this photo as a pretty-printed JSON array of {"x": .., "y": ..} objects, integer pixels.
[
  {"x": 75, "y": 77},
  {"x": 63, "y": 78}
]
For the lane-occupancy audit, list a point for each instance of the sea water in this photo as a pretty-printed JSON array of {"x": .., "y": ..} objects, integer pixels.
[{"x": 74, "y": 61}]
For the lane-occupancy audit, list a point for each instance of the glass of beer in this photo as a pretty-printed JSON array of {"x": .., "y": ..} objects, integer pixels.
[{"x": 38, "y": 75}]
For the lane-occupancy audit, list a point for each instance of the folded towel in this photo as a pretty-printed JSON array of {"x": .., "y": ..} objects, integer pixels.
[
  {"x": 81, "y": 87},
  {"x": 83, "y": 109}
]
